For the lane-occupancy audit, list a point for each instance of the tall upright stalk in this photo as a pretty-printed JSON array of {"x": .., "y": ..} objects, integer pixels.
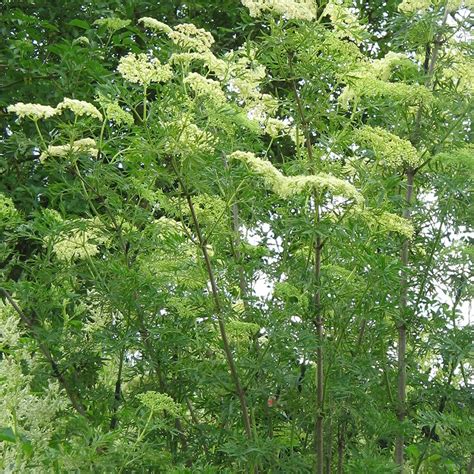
[
  {"x": 430, "y": 63},
  {"x": 401, "y": 326},
  {"x": 317, "y": 310},
  {"x": 319, "y": 426},
  {"x": 218, "y": 308}
]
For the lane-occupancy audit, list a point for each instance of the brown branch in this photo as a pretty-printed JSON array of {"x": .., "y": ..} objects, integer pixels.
[{"x": 218, "y": 307}]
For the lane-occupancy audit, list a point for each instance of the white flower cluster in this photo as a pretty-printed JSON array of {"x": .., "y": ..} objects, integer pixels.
[
  {"x": 344, "y": 20},
  {"x": 8, "y": 212},
  {"x": 139, "y": 69},
  {"x": 382, "y": 68},
  {"x": 155, "y": 25},
  {"x": 288, "y": 9},
  {"x": 38, "y": 111},
  {"x": 286, "y": 186},
  {"x": 393, "y": 151},
  {"x": 84, "y": 145},
  {"x": 386, "y": 222},
  {"x": 79, "y": 107},
  {"x": 200, "y": 85},
  {"x": 218, "y": 67},
  {"x": 187, "y": 36},
  {"x": 32, "y": 111},
  {"x": 411, "y": 6},
  {"x": 114, "y": 112},
  {"x": 9, "y": 326},
  {"x": 190, "y": 139},
  {"x": 418, "y": 6},
  {"x": 78, "y": 243}
]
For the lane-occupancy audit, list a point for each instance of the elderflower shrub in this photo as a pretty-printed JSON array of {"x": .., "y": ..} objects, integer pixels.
[
  {"x": 139, "y": 69},
  {"x": 286, "y": 187},
  {"x": 84, "y": 145},
  {"x": 32, "y": 111},
  {"x": 389, "y": 149},
  {"x": 289, "y": 9},
  {"x": 80, "y": 108}
]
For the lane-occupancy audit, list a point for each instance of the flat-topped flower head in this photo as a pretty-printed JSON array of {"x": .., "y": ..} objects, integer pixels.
[
  {"x": 392, "y": 150},
  {"x": 84, "y": 145},
  {"x": 114, "y": 112},
  {"x": 187, "y": 36},
  {"x": 190, "y": 139},
  {"x": 139, "y": 69},
  {"x": 288, "y": 186},
  {"x": 79, "y": 243},
  {"x": 32, "y": 111},
  {"x": 159, "y": 402},
  {"x": 8, "y": 212},
  {"x": 155, "y": 25},
  {"x": 288, "y": 9},
  {"x": 80, "y": 108},
  {"x": 206, "y": 87}
]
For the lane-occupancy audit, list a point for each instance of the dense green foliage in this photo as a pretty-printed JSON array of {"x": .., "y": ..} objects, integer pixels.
[{"x": 236, "y": 237}]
